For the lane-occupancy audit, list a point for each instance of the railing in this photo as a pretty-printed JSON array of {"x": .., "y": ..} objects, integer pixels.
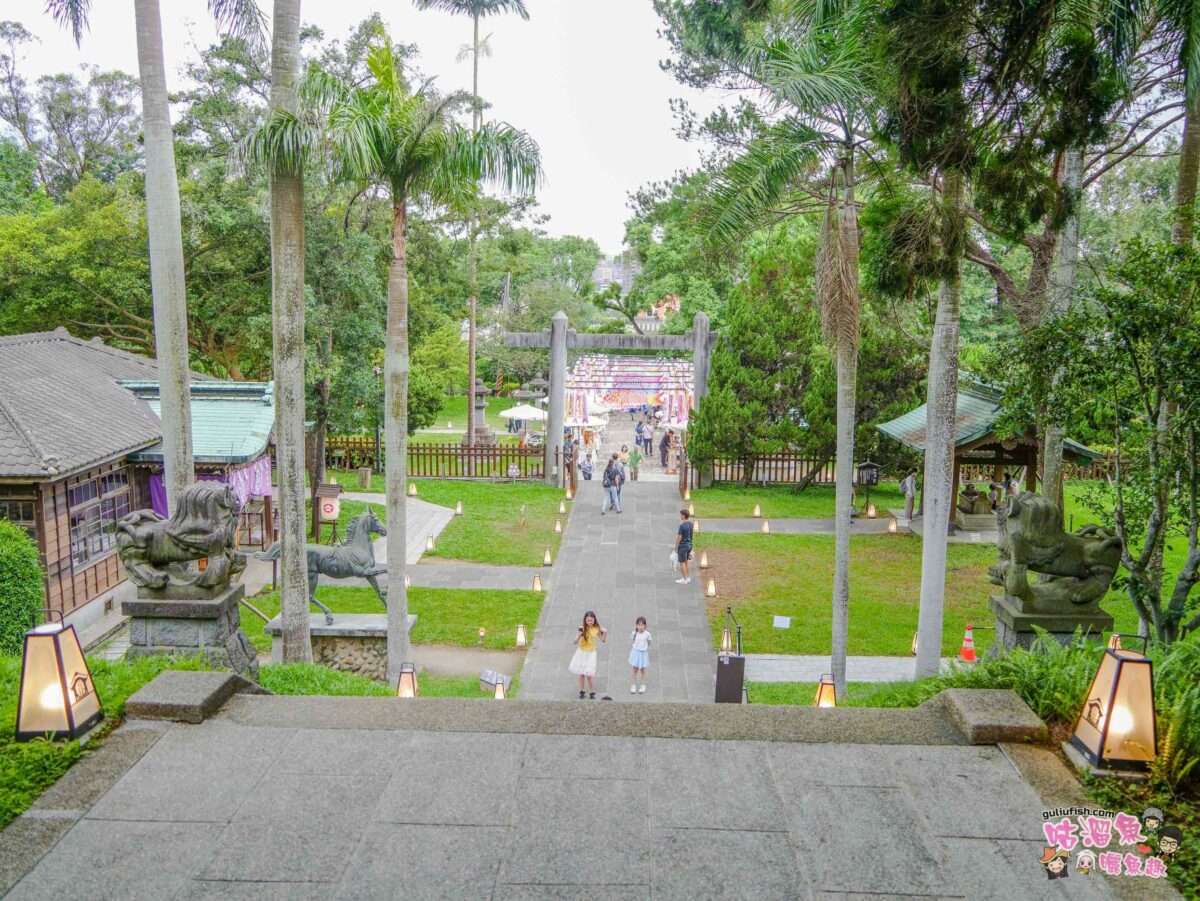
[
  {"x": 983, "y": 473},
  {"x": 447, "y": 461},
  {"x": 776, "y": 469}
]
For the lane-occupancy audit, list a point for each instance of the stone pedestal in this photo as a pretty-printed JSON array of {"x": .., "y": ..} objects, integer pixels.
[
  {"x": 1015, "y": 627},
  {"x": 353, "y": 642},
  {"x": 210, "y": 626}
]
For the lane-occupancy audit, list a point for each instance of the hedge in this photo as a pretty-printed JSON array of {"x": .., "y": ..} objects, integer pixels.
[{"x": 20, "y": 587}]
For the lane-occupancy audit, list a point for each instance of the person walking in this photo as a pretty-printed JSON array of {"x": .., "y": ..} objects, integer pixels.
[
  {"x": 608, "y": 481},
  {"x": 583, "y": 662},
  {"x": 683, "y": 546},
  {"x": 664, "y": 447},
  {"x": 635, "y": 460},
  {"x": 648, "y": 439},
  {"x": 587, "y": 467},
  {"x": 640, "y": 433},
  {"x": 639, "y": 655},
  {"x": 623, "y": 457},
  {"x": 620, "y": 478},
  {"x": 908, "y": 487}
]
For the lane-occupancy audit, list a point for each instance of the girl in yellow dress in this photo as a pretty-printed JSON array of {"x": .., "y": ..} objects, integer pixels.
[{"x": 583, "y": 663}]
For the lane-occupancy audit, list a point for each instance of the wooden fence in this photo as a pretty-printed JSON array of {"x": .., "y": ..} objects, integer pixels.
[
  {"x": 982, "y": 473},
  {"x": 776, "y": 469},
  {"x": 447, "y": 461}
]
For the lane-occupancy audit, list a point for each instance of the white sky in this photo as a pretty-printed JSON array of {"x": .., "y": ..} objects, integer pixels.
[{"x": 581, "y": 76}]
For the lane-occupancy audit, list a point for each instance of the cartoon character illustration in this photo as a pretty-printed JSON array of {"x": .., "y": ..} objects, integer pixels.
[
  {"x": 1085, "y": 862},
  {"x": 1152, "y": 820},
  {"x": 1169, "y": 838},
  {"x": 1055, "y": 862}
]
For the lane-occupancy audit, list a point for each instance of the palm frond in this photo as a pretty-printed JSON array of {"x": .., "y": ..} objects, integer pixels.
[
  {"x": 386, "y": 69},
  {"x": 836, "y": 280},
  {"x": 71, "y": 14},
  {"x": 241, "y": 19},
  {"x": 1183, "y": 17},
  {"x": 475, "y": 8},
  {"x": 817, "y": 73},
  {"x": 759, "y": 180},
  {"x": 282, "y": 143}
]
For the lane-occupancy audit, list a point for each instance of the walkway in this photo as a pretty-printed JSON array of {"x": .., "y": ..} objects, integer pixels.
[
  {"x": 810, "y": 668},
  {"x": 315, "y": 798},
  {"x": 617, "y": 566}
]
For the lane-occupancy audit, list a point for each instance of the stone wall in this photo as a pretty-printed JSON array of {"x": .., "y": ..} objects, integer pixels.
[
  {"x": 365, "y": 655},
  {"x": 210, "y": 627}
]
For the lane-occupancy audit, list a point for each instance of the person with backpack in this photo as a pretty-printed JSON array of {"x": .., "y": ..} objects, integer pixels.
[{"x": 610, "y": 482}]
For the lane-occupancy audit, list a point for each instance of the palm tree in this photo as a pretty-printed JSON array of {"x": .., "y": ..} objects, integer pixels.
[
  {"x": 163, "y": 224},
  {"x": 476, "y": 9},
  {"x": 385, "y": 133},
  {"x": 818, "y": 70}
]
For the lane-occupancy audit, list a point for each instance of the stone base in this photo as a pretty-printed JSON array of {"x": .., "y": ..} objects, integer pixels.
[
  {"x": 1015, "y": 628},
  {"x": 210, "y": 627},
  {"x": 975, "y": 522},
  {"x": 354, "y": 642},
  {"x": 483, "y": 435},
  {"x": 1081, "y": 763}
]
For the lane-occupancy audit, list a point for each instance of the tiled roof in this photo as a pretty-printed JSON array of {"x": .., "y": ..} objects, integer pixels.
[
  {"x": 61, "y": 408},
  {"x": 231, "y": 421}
]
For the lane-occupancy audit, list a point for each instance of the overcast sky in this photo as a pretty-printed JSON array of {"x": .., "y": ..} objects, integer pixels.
[{"x": 581, "y": 76}]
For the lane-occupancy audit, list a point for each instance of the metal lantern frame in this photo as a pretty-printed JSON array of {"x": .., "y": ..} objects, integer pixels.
[
  {"x": 1091, "y": 736},
  {"x": 731, "y": 635},
  {"x": 826, "y": 692},
  {"x": 81, "y": 708},
  {"x": 408, "y": 679},
  {"x": 867, "y": 475}
]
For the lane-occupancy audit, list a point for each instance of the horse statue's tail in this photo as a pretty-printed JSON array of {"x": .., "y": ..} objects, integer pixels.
[{"x": 271, "y": 553}]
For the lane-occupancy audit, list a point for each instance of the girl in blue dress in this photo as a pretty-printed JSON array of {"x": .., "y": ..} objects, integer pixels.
[{"x": 639, "y": 655}]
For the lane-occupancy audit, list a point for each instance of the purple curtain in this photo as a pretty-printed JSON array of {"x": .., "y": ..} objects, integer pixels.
[{"x": 251, "y": 480}]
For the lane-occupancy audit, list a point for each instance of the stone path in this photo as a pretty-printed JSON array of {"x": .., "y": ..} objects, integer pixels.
[
  {"x": 809, "y": 668},
  {"x": 617, "y": 566},
  {"x": 958, "y": 536},
  {"x": 314, "y": 798}
]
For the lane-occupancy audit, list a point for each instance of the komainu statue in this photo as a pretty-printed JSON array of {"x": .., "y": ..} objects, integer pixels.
[
  {"x": 1080, "y": 564},
  {"x": 204, "y": 525}
]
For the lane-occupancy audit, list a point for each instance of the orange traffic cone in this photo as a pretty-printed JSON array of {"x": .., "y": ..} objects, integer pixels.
[{"x": 967, "y": 654}]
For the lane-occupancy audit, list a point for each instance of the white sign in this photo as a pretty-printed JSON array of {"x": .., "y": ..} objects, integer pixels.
[{"x": 783, "y": 622}]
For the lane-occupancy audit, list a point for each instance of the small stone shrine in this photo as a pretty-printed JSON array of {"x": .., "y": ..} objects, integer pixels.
[
  {"x": 182, "y": 567},
  {"x": 1077, "y": 569}
]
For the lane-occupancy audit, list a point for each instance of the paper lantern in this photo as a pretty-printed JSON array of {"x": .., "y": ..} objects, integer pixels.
[
  {"x": 892, "y": 528},
  {"x": 412, "y": 489},
  {"x": 1116, "y": 727},
  {"x": 691, "y": 509},
  {"x": 687, "y": 494},
  {"x": 458, "y": 511},
  {"x": 1114, "y": 641},
  {"x": 501, "y": 691},
  {"x": 757, "y": 511},
  {"x": 57, "y": 696},
  {"x": 712, "y": 588},
  {"x": 546, "y": 560},
  {"x": 558, "y": 527},
  {"x": 407, "y": 686},
  {"x": 407, "y": 580},
  {"x": 522, "y": 639},
  {"x": 570, "y": 493},
  {"x": 482, "y": 634},
  {"x": 704, "y": 559},
  {"x": 562, "y": 507},
  {"x": 726, "y": 641},
  {"x": 537, "y": 583},
  {"x": 825, "y": 696},
  {"x": 766, "y": 527},
  {"x": 429, "y": 542},
  {"x": 871, "y": 513},
  {"x": 914, "y": 644}
]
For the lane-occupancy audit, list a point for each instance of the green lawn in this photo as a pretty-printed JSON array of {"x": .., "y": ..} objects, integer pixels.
[
  {"x": 311, "y": 679},
  {"x": 792, "y": 575},
  {"x": 784, "y": 502},
  {"x": 29, "y": 768},
  {"x": 444, "y": 615},
  {"x": 454, "y": 410}
]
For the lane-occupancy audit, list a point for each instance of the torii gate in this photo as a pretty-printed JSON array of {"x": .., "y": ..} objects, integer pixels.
[{"x": 559, "y": 337}]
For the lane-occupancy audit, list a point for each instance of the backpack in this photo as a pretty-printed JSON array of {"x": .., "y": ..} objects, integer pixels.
[{"x": 608, "y": 478}]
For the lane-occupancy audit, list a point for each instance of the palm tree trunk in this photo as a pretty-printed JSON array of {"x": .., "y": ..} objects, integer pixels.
[
  {"x": 1185, "y": 182},
  {"x": 475, "y": 118},
  {"x": 166, "y": 256},
  {"x": 847, "y": 375},
  {"x": 939, "y": 436},
  {"x": 395, "y": 375},
  {"x": 287, "y": 315}
]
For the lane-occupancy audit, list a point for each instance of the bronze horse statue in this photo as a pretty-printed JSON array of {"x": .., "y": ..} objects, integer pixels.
[
  {"x": 353, "y": 558},
  {"x": 155, "y": 550}
]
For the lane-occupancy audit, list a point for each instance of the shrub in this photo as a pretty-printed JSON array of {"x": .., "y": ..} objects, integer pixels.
[{"x": 21, "y": 587}]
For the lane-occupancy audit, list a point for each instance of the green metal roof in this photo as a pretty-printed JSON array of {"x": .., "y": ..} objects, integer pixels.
[
  {"x": 231, "y": 421},
  {"x": 975, "y": 415}
]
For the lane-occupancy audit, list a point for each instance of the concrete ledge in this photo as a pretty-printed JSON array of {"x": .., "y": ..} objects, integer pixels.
[
  {"x": 344, "y": 625},
  {"x": 988, "y": 716},
  {"x": 209, "y": 607},
  {"x": 721, "y": 722},
  {"x": 187, "y": 697}
]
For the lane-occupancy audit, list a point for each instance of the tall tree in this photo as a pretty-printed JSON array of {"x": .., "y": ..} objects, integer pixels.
[
  {"x": 476, "y": 9},
  {"x": 163, "y": 222},
  {"x": 384, "y": 133}
]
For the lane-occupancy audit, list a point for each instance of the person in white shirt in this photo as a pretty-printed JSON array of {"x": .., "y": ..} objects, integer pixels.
[
  {"x": 908, "y": 487},
  {"x": 639, "y": 655}
]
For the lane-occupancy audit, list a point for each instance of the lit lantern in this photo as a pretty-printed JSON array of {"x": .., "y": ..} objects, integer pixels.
[
  {"x": 914, "y": 644},
  {"x": 558, "y": 527},
  {"x": 726, "y": 642},
  {"x": 695, "y": 526},
  {"x": 687, "y": 494},
  {"x": 871, "y": 513},
  {"x": 522, "y": 639},
  {"x": 892, "y": 526},
  {"x": 458, "y": 509},
  {"x": 757, "y": 511},
  {"x": 825, "y": 696},
  {"x": 1114, "y": 641},
  {"x": 691, "y": 509},
  {"x": 766, "y": 527},
  {"x": 1116, "y": 728},
  {"x": 482, "y": 633},
  {"x": 546, "y": 561},
  {"x": 449, "y": 423},
  {"x": 407, "y": 686},
  {"x": 57, "y": 695},
  {"x": 704, "y": 559},
  {"x": 407, "y": 580},
  {"x": 712, "y": 588},
  {"x": 429, "y": 542},
  {"x": 501, "y": 692},
  {"x": 537, "y": 583},
  {"x": 412, "y": 489},
  {"x": 570, "y": 493},
  {"x": 562, "y": 507}
]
